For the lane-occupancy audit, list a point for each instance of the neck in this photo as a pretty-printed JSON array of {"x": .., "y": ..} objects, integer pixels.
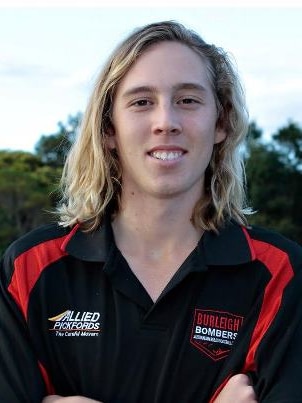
[
  {"x": 155, "y": 226},
  {"x": 155, "y": 236}
]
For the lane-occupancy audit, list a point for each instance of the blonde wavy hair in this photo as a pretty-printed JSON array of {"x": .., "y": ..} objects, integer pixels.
[{"x": 92, "y": 177}]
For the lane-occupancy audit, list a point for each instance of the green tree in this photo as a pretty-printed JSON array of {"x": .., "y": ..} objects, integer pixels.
[
  {"x": 52, "y": 148},
  {"x": 26, "y": 194},
  {"x": 274, "y": 182},
  {"x": 289, "y": 140},
  {"x": 274, "y": 177},
  {"x": 28, "y": 182}
]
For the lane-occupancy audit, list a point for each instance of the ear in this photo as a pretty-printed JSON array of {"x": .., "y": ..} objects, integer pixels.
[
  {"x": 220, "y": 135},
  {"x": 110, "y": 139}
]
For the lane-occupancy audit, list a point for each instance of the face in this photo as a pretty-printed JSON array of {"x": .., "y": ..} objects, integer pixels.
[{"x": 164, "y": 123}]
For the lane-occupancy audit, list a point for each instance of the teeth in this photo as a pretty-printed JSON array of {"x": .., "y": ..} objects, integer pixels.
[{"x": 166, "y": 155}]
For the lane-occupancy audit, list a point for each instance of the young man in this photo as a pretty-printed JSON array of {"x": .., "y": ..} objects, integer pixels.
[{"x": 153, "y": 288}]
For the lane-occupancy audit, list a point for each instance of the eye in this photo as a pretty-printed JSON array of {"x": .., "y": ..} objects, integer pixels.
[
  {"x": 188, "y": 101},
  {"x": 141, "y": 102}
]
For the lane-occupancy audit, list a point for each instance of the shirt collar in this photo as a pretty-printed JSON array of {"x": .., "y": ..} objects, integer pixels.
[
  {"x": 230, "y": 246},
  {"x": 90, "y": 246}
]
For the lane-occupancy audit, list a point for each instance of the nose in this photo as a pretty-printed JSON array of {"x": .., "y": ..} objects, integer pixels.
[{"x": 166, "y": 120}]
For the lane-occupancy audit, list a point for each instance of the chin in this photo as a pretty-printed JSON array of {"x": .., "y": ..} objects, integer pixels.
[{"x": 168, "y": 192}]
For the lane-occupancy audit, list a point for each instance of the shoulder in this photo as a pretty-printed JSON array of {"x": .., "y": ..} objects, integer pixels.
[
  {"x": 273, "y": 238},
  {"x": 32, "y": 243},
  {"x": 273, "y": 246},
  {"x": 35, "y": 237}
]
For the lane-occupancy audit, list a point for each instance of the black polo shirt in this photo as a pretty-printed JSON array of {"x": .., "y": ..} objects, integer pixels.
[{"x": 74, "y": 319}]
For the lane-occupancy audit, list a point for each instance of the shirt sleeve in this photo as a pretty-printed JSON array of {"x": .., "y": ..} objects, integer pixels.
[
  {"x": 20, "y": 377},
  {"x": 279, "y": 359}
]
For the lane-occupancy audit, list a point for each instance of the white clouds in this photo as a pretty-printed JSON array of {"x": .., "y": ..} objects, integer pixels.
[
  {"x": 49, "y": 58},
  {"x": 274, "y": 100},
  {"x": 157, "y": 3},
  {"x": 13, "y": 69},
  {"x": 33, "y": 98},
  {"x": 78, "y": 80},
  {"x": 274, "y": 85}
]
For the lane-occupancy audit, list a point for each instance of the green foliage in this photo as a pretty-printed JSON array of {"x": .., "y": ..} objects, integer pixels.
[
  {"x": 274, "y": 177},
  {"x": 28, "y": 182},
  {"x": 274, "y": 180},
  {"x": 52, "y": 149},
  {"x": 289, "y": 139},
  {"x": 25, "y": 194}
]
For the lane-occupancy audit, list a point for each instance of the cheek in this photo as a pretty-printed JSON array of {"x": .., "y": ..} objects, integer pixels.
[
  {"x": 125, "y": 148},
  {"x": 204, "y": 137},
  {"x": 204, "y": 123}
]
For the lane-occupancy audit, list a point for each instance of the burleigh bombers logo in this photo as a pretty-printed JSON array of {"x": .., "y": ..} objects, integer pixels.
[
  {"x": 76, "y": 324},
  {"x": 214, "y": 332}
]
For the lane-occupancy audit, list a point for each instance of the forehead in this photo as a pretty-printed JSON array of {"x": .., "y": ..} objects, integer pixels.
[{"x": 166, "y": 64}]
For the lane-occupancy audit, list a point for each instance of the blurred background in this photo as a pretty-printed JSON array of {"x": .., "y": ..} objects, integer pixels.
[{"x": 49, "y": 59}]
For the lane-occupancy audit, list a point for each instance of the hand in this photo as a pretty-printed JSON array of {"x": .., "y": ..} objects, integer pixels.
[
  {"x": 238, "y": 389},
  {"x": 69, "y": 399}
]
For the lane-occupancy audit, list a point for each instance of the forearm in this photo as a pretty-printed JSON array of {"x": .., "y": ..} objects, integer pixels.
[
  {"x": 69, "y": 399},
  {"x": 237, "y": 389}
]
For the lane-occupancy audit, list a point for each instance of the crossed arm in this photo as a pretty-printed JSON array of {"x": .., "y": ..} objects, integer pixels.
[{"x": 238, "y": 389}]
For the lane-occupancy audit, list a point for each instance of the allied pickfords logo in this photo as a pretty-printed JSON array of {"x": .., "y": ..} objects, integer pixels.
[
  {"x": 76, "y": 324},
  {"x": 214, "y": 332}
]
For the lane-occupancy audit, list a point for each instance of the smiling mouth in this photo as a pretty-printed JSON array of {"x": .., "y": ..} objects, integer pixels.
[{"x": 166, "y": 155}]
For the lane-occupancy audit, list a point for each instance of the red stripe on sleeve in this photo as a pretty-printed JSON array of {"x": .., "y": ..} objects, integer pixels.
[
  {"x": 277, "y": 262},
  {"x": 28, "y": 268}
]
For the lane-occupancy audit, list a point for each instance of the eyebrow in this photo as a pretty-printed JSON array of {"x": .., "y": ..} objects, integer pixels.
[
  {"x": 152, "y": 90},
  {"x": 190, "y": 86}
]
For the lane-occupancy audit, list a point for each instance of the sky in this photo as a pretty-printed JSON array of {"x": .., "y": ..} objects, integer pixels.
[{"x": 51, "y": 53}]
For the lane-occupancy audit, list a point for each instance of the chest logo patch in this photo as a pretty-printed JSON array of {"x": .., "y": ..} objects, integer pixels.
[
  {"x": 214, "y": 332},
  {"x": 76, "y": 324}
]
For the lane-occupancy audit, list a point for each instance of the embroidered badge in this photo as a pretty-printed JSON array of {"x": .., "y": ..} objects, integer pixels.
[{"x": 214, "y": 332}]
